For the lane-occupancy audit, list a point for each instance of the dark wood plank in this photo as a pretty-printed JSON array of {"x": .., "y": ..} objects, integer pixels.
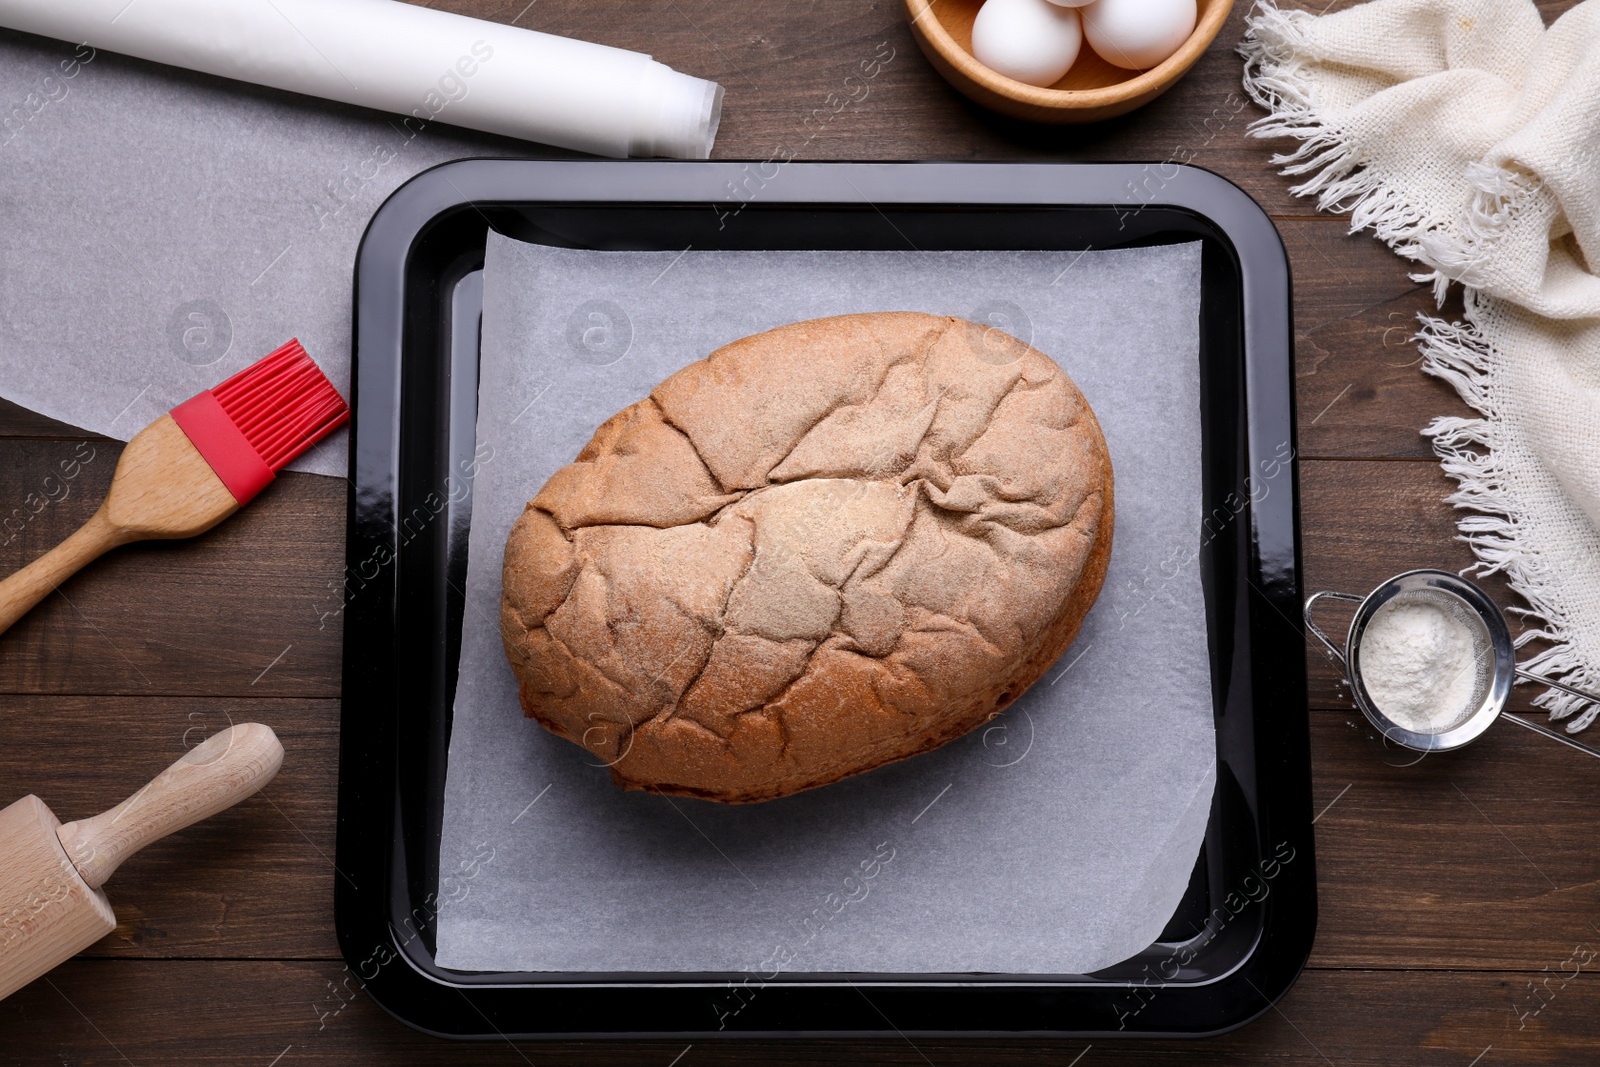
[
  {"x": 18, "y": 421},
  {"x": 249, "y": 608},
  {"x": 1359, "y": 389},
  {"x": 256, "y": 880},
  {"x": 203, "y": 1013},
  {"x": 210, "y": 615},
  {"x": 1477, "y": 859}
]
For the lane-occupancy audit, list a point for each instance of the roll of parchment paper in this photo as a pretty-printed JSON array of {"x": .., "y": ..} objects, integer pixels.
[{"x": 428, "y": 66}]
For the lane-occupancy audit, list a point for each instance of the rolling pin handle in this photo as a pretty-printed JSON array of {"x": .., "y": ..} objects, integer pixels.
[{"x": 222, "y": 770}]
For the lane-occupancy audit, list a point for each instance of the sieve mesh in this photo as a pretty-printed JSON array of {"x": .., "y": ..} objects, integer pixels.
[{"x": 1483, "y": 658}]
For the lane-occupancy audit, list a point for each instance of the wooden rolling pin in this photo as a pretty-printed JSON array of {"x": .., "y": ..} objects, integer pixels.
[{"x": 51, "y": 904}]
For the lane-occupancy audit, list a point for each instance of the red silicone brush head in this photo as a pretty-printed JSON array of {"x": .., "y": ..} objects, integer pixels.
[
  {"x": 251, "y": 426},
  {"x": 282, "y": 404}
]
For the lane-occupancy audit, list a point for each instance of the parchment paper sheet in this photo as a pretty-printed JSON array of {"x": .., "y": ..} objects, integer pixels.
[
  {"x": 1056, "y": 840},
  {"x": 161, "y": 230}
]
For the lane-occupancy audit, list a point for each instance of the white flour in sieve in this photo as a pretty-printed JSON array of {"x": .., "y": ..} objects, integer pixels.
[{"x": 1419, "y": 665}]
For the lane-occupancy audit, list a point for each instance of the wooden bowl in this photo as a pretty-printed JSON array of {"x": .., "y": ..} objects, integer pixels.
[{"x": 1092, "y": 90}]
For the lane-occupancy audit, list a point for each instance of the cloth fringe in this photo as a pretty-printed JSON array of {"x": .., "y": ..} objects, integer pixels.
[
  {"x": 1468, "y": 450},
  {"x": 1457, "y": 352},
  {"x": 1275, "y": 78}
]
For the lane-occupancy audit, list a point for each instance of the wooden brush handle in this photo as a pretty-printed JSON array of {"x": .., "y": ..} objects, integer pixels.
[
  {"x": 22, "y": 590},
  {"x": 216, "y": 774},
  {"x": 163, "y": 487}
]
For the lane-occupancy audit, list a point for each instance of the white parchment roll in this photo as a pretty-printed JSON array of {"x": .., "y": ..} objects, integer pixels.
[{"x": 426, "y": 65}]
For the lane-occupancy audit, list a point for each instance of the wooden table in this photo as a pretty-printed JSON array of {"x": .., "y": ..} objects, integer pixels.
[{"x": 1458, "y": 894}]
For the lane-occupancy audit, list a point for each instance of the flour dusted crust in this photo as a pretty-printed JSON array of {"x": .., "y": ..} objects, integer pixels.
[{"x": 819, "y": 550}]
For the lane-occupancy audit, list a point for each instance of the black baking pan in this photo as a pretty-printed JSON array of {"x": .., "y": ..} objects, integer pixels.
[{"x": 1245, "y": 926}]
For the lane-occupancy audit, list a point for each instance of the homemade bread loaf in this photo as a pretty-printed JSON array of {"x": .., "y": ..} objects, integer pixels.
[{"x": 816, "y": 551}]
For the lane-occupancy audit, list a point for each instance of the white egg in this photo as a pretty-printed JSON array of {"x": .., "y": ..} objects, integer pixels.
[
  {"x": 1071, "y": 3},
  {"x": 1031, "y": 41},
  {"x": 1137, "y": 34}
]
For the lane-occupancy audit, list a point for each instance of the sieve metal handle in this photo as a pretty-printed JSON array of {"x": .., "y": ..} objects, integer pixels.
[
  {"x": 1311, "y": 602},
  {"x": 1529, "y": 676},
  {"x": 1565, "y": 739},
  {"x": 1540, "y": 728}
]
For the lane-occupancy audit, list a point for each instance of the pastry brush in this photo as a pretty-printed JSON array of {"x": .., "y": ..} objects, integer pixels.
[{"x": 195, "y": 466}]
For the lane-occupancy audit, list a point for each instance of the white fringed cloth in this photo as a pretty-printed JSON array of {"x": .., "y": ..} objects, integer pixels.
[{"x": 1466, "y": 135}]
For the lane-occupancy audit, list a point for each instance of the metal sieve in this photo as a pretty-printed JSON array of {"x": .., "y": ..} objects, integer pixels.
[{"x": 1494, "y": 662}]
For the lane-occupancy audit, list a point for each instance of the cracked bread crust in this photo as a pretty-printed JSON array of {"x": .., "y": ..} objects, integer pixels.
[{"x": 819, "y": 550}]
